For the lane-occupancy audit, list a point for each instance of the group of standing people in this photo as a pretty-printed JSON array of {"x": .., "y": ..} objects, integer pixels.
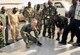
[
  {"x": 74, "y": 26},
  {"x": 47, "y": 17},
  {"x": 8, "y": 21}
]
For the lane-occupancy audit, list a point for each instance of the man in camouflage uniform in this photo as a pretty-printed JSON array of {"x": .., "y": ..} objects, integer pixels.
[
  {"x": 29, "y": 33},
  {"x": 44, "y": 13},
  {"x": 28, "y": 12},
  {"x": 3, "y": 15},
  {"x": 51, "y": 11},
  {"x": 37, "y": 15}
]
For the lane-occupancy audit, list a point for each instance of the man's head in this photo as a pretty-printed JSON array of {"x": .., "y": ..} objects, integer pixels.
[
  {"x": 45, "y": 5},
  {"x": 3, "y": 10},
  {"x": 34, "y": 22},
  {"x": 14, "y": 10},
  {"x": 29, "y": 4},
  {"x": 50, "y": 3},
  {"x": 74, "y": 1},
  {"x": 38, "y": 6}
]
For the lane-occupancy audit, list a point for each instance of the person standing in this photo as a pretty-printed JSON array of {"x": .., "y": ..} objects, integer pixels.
[
  {"x": 13, "y": 20},
  {"x": 37, "y": 15},
  {"x": 69, "y": 28},
  {"x": 74, "y": 25},
  {"x": 5, "y": 24},
  {"x": 1, "y": 33},
  {"x": 77, "y": 24},
  {"x": 71, "y": 15},
  {"x": 28, "y": 12},
  {"x": 44, "y": 14},
  {"x": 51, "y": 11}
]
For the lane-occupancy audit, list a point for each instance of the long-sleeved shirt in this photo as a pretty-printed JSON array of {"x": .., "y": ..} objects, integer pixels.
[
  {"x": 77, "y": 11},
  {"x": 72, "y": 11},
  {"x": 28, "y": 29}
]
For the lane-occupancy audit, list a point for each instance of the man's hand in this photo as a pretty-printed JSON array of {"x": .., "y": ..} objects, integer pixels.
[
  {"x": 32, "y": 33},
  {"x": 25, "y": 33}
]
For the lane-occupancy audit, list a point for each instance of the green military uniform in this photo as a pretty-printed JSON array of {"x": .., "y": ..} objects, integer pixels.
[
  {"x": 43, "y": 15},
  {"x": 39, "y": 18},
  {"x": 28, "y": 14},
  {"x": 27, "y": 29},
  {"x": 51, "y": 11},
  {"x": 1, "y": 34}
]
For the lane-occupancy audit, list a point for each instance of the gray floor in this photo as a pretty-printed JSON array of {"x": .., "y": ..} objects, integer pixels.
[{"x": 49, "y": 47}]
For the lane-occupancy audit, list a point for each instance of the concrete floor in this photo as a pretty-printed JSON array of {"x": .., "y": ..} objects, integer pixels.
[{"x": 49, "y": 47}]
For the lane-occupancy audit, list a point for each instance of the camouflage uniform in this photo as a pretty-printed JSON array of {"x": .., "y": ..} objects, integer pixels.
[
  {"x": 3, "y": 16},
  {"x": 28, "y": 14},
  {"x": 2, "y": 23},
  {"x": 1, "y": 36},
  {"x": 28, "y": 36},
  {"x": 44, "y": 13},
  {"x": 51, "y": 11},
  {"x": 39, "y": 18}
]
